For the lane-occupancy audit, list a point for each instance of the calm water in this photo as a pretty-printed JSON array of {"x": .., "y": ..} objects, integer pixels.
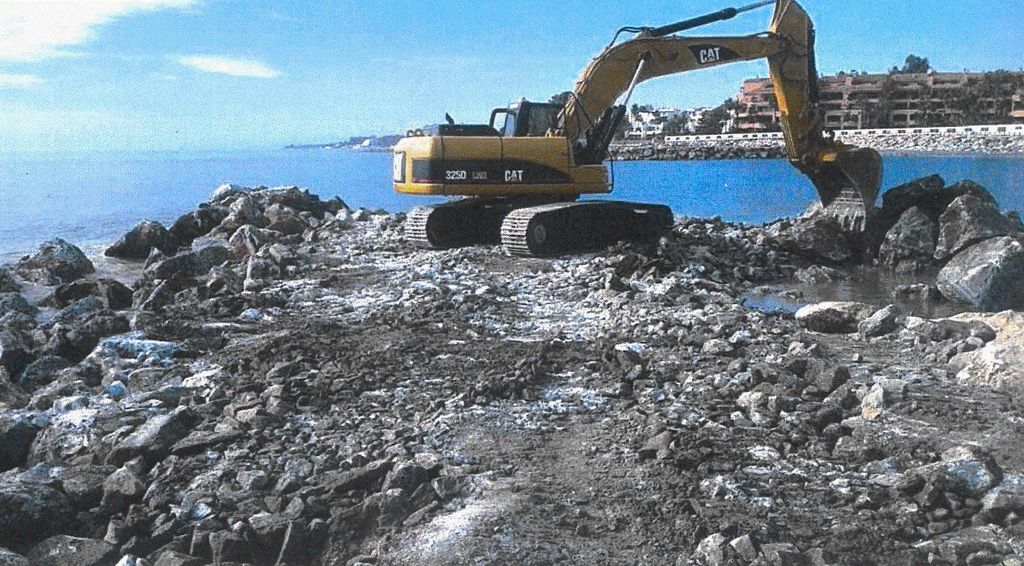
[{"x": 90, "y": 200}]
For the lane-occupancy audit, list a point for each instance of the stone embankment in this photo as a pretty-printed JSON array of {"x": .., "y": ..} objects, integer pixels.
[
  {"x": 946, "y": 144},
  {"x": 287, "y": 381}
]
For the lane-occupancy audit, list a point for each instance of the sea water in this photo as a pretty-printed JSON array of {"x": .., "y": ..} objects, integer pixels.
[{"x": 90, "y": 199}]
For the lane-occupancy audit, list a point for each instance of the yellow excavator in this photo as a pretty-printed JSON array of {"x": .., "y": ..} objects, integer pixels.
[{"x": 521, "y": 175}]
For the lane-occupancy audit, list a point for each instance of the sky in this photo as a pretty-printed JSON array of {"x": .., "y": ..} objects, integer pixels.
[{"x": 232, "y": 74}]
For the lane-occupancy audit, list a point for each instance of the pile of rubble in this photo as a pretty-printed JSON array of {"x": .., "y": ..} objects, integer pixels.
[{"x": 287, "y": 381}]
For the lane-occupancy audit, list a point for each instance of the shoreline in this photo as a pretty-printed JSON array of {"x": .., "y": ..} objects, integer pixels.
[{"x": 292, "y": 378}]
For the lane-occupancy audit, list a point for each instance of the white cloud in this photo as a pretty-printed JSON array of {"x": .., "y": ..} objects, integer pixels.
[
  {"x": 31, "y": 30},
  {"x": 230, "y": 66},
  {"x": 18, "y": 81}
]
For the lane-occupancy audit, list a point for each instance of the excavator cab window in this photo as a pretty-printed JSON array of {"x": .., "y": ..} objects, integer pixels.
[{"x": 527, "y": 119}]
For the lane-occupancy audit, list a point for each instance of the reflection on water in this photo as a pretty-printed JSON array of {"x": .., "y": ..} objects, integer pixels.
[{"x": 864, "y": 284}]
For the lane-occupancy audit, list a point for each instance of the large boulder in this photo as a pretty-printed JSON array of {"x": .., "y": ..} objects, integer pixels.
[
  {"x": 74, "y": 340},
  {"x": 919, "y": 192},
  {"x": 834, "y": 317},
  {"x": 11, "y": 558},
  {"x": 1000, "y": 363},
  {"x": 248, "y": 240},
  {"x": 987, "y": 275},
  {"x": 7, "y": 282},
  {"x": 968, "y": 220},
  {"x": 66, "y": 550},
  {"x": 882, "y": 322},
  {"x": 191, "y": 263},
  {"x": 244, "y": 210},
  {"x": 121, "y": 489},
  {"x": 14, "y": 302},
  {"x": 16, "y": 435},
  {"x": 910, "y": 243},
  {"x": 154, "y": 438},
  {"x": 928, "y": 194},
  {"x": 197, "y": 223},
  {"x": 31, "y": 513},
  {"x": 142, "y": 239},
  {"x": 16, "y": 351},
  {"x": 41, "y": 372},
  {"x": 817, "y": 237},
  {"x": 113, "y": 294},
  {"x": 56, "y": 262}
]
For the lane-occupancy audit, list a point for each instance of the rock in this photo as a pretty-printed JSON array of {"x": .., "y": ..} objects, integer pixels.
[
  {"x": 142, "y": 239},
  {"x": 971, "y": 473},
  {"x": 191, "y": 263},
  {"x": 10, "y": 558},
  {"x": 744, "y": 546},
  {"x": 657, "y": 446},
  {"x": 16, "y": 435},
  {"x": 7, "y": 282},
  {"x": 154, "y": 438},
  {"x": 910, "y": 242},
  {"x": 197, "y": 223},
  {"x": 14, "y": 302},
  {"x": 227, "y": 546},
  {"x": 56, "y": 262},
  {"x": 248, "y": 240},
  {"x": 75, "y": 340},
  {"x": 968, "y": 220},
  {"x": 987, "y": 275},
  {"x": 923, "y": 192},
  {"x": 717, "y": 347},
  {"x": 113, "y": 294},
  {"x": 288, "y": 225},
  {"x": 833, "y": 317},
  {"x": 41, "y": 372},
  {"x": 253, "y": 480},
  {"x": 1000, "y": 362},
  {"x": 873, "y": 404},
  {"x": 65, "y": 550},
  {"x": 225, "y": 190},
  {"x": 82, "y": 484},
  {"x": 781, "y": 553},
  {"x": 175, "y": 558},
  {"x": 121, "y": 489},
  {"x": 405, "y": 475},
  {"x": 711, "y": 550},
  {"x": 927, "y": 194},
  {"x": 11, "y": 396},
  {"x": 882, "y": 322},
  {"x": 16, "y": 351},
  {"x": 1005, "y": 498},
  {"x": 31, "y": 512},
  {"x": 817, "y": 237}
]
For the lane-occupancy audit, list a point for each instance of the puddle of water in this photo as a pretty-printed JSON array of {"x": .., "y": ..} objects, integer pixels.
[{"x": 865, "y": 285}]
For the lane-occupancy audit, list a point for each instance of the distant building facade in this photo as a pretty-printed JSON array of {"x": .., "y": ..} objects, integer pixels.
[
  {"x": 647, "y": 123},
  {"x": 857, "y": 101}
]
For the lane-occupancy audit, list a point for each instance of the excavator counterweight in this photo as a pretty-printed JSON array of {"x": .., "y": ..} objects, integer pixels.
[{"x": 521, "y": 178}]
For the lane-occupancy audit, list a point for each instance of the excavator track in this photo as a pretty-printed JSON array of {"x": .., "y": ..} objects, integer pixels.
[
  {"x": 553, "y": 229},
  {"x": 459, "y": 223}
]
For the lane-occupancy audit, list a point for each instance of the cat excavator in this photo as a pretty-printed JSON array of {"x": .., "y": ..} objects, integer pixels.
[{"x": 520, "y": 177}]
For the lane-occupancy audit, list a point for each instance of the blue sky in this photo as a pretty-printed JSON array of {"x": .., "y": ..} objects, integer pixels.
[{"x": 222, "y": 74}]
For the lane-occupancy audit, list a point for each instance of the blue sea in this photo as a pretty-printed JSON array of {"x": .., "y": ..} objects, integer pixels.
[{"x": 91, "y": 199}]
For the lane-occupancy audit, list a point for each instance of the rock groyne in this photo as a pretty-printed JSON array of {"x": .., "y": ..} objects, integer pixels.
[{"x": 289, "y": 381}]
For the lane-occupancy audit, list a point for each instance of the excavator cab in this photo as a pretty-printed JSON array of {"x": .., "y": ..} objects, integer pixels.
[{"x": 526, "y": 119}]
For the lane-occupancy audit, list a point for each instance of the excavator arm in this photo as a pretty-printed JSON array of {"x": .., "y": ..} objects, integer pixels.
[{"x": 846, "y": 177}]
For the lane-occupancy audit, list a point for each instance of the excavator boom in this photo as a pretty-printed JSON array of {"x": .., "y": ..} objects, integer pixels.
[
  {"x": 523, "y": 176},
  {"x": 845, "y": 177}
]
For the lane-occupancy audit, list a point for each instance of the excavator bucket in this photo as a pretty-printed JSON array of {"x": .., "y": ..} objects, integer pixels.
[{"x": 848, "y": 186}]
